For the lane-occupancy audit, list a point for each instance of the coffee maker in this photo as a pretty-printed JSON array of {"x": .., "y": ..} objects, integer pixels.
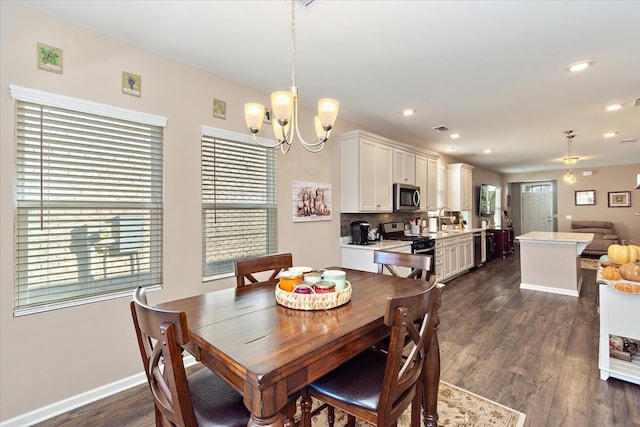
[{"x": 359, "y": 232}]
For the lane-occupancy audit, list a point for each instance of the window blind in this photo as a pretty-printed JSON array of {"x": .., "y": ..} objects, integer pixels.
[
  {"x": 89, "y": 193},
  {"x": 239, "y": 209}
]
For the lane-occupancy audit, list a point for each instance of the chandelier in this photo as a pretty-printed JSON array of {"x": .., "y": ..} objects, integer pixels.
[
  {"x": 284, "y": 111},
  {"x": 569, "y": 177}
]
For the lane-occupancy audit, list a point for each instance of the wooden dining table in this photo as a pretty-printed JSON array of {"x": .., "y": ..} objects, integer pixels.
[{"x": 268, "y": 352}]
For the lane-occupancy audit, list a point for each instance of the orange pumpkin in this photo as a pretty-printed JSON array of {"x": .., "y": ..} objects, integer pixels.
[
  {"x": 623, "y": 254},
  {"x": 610, "y": 273},
  {"x": 631, "y": 271}
]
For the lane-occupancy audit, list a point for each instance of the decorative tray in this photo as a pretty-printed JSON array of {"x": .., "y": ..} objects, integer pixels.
[{"x": 313, "y": 301}]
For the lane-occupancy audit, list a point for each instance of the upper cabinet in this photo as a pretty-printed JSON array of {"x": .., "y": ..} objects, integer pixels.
[
  {"x": 366, "y": 166},
  {"x": 370, "y": 164},
  {"x": 404, "y": 167},
  {"x": 459, "y": 187},
  {"x": 421, "y": 180}
]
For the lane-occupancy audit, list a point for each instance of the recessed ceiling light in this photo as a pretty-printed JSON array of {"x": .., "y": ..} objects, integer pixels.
[
  {"x": 454, "y": 136},
  {"x": 408, "y": 112},
  {"x": 613, "y": 107},
  {"x": 579, "y": 66},
  {"x": 450, "y": 149},
  {"x": 610, "y": 134},
  {"x": 488, "y": 151}
]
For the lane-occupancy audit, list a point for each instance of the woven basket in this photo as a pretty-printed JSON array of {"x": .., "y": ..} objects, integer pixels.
[{"x": 313, "y": 301}]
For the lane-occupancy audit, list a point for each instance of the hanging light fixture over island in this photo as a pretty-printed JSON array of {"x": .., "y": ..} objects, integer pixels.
[
  {"x": 284, "y": 110},
  {"x": 569, "y": 178}
]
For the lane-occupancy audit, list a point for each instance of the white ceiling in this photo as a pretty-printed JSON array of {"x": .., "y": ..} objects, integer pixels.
[{"x": 492, "y": 70}]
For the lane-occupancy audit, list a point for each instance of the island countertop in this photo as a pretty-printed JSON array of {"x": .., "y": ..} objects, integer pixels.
[{"x": 552, "y": 236}]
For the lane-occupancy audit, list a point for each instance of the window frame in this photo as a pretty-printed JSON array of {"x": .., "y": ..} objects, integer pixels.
[
  {"x": 270, "y": 203},
  {"x": 85, "y": 293}
]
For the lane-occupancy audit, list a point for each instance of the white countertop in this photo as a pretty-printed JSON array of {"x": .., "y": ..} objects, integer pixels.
[{"x": 550, "y": 236}]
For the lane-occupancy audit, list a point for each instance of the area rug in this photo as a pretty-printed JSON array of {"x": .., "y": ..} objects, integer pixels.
[
  {"x": 456, "y": 408},
  {"x": 589, "y": 263}
]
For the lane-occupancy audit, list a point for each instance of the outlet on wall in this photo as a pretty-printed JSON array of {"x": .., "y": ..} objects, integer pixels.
[{"x": 569, "y": 217}]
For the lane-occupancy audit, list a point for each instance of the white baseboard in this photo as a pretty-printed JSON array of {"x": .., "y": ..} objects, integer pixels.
[{"x": 46, "y": 412}]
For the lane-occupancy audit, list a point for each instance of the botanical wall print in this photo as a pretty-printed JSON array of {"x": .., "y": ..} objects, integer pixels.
[
  {"x": 619, "y": 199},
  {"x": 219, "y": 109},
  {"x": 585, "y": 198},
  {"x": 131, "y": 84},
  {"x": 311, "y": 202},
  {"x": 49, "y": 58}
]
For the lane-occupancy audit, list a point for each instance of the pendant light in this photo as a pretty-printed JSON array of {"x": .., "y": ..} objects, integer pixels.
[
  {"x": 569, "y": 178},
  {"x": 284, "y": 108}
]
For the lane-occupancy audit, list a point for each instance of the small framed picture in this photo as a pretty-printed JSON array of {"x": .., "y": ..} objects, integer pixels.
[
  {"x": 268, "y": 115},
  {"x": 219, "y": 109},
  {"x": 131, "y": 84},
  {"x": 619, "y": 199},
  {"x": 585, "y": 197},
  {"x": 49, "y": 58}
]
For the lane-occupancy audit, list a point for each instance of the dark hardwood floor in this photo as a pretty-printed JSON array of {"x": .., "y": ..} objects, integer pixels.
[{"x": 532, "y": 351}]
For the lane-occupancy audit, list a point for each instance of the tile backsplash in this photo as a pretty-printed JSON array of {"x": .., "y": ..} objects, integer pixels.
[{"x": 375, "y": 220}]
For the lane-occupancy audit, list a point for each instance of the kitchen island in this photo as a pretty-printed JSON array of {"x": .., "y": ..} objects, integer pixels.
[{"x": 550, "y": 261}]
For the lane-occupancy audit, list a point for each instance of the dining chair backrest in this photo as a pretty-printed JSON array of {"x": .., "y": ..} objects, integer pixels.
[
  {"x": 420, "y": 264},
  {"x": 412, "y": 321},
  {"x": 246, "y": 268},
  {"x": 160, "y": 336}
]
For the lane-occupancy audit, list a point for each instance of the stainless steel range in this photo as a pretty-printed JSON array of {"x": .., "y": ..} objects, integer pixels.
[{"x": 422, "y": 245}]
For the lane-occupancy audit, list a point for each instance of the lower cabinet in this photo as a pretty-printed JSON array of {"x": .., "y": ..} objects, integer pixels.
[
  {"x": 503, "y": 240},
  {"x": 454, "y": 255}
]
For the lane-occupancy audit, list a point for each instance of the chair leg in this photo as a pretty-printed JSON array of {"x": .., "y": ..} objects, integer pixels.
[
  {"x": 305, "y": 407},
  {"x": 351, "y": 420},
  {"x": 331, "y": 415}
]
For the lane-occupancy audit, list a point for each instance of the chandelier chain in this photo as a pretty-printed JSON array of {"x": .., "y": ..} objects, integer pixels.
[{"x": 293, "y": 43}]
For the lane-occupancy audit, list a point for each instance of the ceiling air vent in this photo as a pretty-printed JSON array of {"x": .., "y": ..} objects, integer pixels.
[
  {"x": 628, "y": 141},
  {"x": 636, "y": 102},
  {"x": 307, "y": 5},
  {"x": 440, "y": 128}
]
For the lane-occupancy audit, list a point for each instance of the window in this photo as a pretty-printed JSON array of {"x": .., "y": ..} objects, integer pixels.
[
  {"x": 239, "y": 210},
  {"x": 89, "y": 200}
]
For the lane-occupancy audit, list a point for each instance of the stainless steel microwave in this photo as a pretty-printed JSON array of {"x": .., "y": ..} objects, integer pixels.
[{"x": 406, "y": 197}]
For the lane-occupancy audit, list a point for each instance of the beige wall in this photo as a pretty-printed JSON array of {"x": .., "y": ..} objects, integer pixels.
[
  {"x": 51, "y": 356},
  {"x": 603, "y": 180}
]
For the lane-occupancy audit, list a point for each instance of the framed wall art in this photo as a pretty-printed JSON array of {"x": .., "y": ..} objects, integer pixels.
[
  {"x": 131, "y": 84},
  {"x": 49, "y": 58},
  {"x": 619, "y": 199},
  {"x": 585, "y": 197},
  {"x": 311, "y": 202}
]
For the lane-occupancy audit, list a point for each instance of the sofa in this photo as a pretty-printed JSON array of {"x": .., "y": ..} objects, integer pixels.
[{"x": 603, "y": 236}]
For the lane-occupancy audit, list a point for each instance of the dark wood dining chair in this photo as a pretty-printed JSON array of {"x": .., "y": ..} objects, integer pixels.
[
  {"x": 375, "y": 386},
  {"x": 246, "y": 268},
  {"x": 420, "y": 264},
  {"x": 200, "y": 399}
]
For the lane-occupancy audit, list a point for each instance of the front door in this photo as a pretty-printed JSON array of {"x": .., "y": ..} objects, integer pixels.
[{"x": 537, "y": 211}]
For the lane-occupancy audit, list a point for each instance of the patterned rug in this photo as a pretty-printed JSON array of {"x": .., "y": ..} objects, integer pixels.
[
  {"x": 456, "y": 408},
  {"x": 589, "y": 263}
]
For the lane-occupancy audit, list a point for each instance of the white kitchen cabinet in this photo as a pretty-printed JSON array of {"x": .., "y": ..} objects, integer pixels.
[
  {"x": 465, "y": 252},
  {"x": 421, "y": 180},
  {"x": 450, "y": 262},
  {"x": 366, "y": 167},
  {"x": 439, "y": 263},
  {"x": 617, "y": 311},
  {"x": 459, "y": 187},
  {"x": 431, "y": 194},
  {"x": 454, "y": 256},
  {"x": 404, "y": 167}
]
